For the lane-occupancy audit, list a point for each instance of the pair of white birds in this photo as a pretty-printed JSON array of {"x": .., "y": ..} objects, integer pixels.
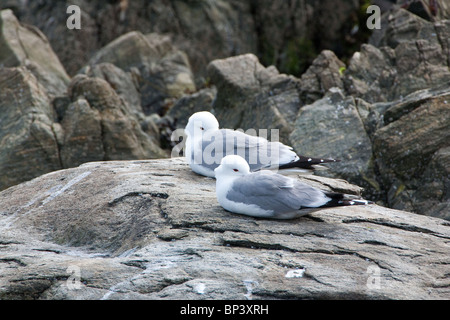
[{"x": 254, "y": 189}]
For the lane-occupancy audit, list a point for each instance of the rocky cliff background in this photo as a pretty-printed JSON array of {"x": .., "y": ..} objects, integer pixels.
[
  {"x": 78, "y": 222},
  {"x": 134, "y": 72}
]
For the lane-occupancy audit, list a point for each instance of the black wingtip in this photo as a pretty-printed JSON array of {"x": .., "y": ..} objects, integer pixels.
[
  {"x": 340, "y": 199},
  {"x": 307, "y": 163}
]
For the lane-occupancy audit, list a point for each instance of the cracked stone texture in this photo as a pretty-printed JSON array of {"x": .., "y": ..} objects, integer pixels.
[
  {"x": 406, "y": 55},
  {"x": 278, "y": 32},
  {"x": 335, "y": 127},
  {"x": 50, "y": 121},
  {"x": 28, "y": 141},
  {"x": 252, "y": 96},
  {"x": 119, "y": 131},
  {"x": 154, "y": 230},
  {"x": 162, "y": 72},
  {"x": 95, "y": 124},
  {"x": 324, "y": 73},
  {"x": 414, "y": 168},
  {"x": 25, "y": 45}
]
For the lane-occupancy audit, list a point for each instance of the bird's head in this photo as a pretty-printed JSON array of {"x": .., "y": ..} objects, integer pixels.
[
  {"x": 232, "y": 166},
  {"x": 200, "y": 122}
]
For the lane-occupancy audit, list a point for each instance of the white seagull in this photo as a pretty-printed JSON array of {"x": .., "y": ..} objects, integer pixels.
[
  {"x": 266, "y": 194},
  {"x": 206, "y": 145}
]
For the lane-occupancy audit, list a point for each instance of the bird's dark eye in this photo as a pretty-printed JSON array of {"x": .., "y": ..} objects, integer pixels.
[
  {"x": 201, "y": 128},
  {"x": 235, "y": 170}
]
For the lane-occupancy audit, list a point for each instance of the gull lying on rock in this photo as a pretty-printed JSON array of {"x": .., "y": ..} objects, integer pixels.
[
  {"x": 266, "y": 194},
  {"x": 206, "y": 145}
]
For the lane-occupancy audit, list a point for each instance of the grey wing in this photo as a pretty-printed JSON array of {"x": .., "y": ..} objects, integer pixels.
[
  {"x": 307, "y": 196},
  {"x": 274, "y": 192},
  {"x": 257, "y": 151},
  {"x": 225, "y": 142}
]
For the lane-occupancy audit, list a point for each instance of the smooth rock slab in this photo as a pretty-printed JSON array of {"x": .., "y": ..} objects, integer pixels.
[{"x": 154, "y": 230}]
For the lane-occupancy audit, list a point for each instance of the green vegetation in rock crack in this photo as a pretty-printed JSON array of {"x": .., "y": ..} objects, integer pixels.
[{"x": 300, "y": 53}]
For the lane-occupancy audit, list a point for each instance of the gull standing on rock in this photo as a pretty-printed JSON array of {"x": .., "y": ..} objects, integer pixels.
[
  {"x": 206, "y": 145},
  {"x": 266, "y": 194}
]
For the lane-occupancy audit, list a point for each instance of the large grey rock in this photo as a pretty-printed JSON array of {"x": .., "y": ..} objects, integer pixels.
[
  {"x": 413, "y": 165},
  {"x": 371, "y": 74},
  {"x": 82, "y": 139},
  {"x": 73, "y": 46},
  {"x": 429, "y": 10},
  {"x": 218, "y": 28},
  {"x": 154, "y": 230},
  {"x": 24, "y": 45},
  {"x": 45, "y": 128},
  {"x": 250, "y": 96},
  {"x": 286, "y": 34},
  {"x": 403, "y": 26},
  {"x": 201, "y": 100},
  {"x": 28, "y": 140},
  {"x": 162, "y": 72},
  {"x": 406, "y": 55},
  {"x": 113, "y": 123},
  {"x": 124, "y": 83},
  {"x": 324, "y": 73},
  {"x": 38, "y": 136},
  {"x": 334, "y": 127}
]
